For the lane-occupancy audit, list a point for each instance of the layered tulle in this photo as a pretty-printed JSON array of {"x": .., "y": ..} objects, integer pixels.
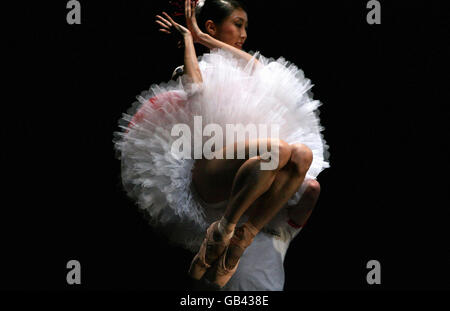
[{"x": 261, "y": 91}]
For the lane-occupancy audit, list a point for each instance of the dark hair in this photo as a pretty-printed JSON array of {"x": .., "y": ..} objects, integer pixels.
[{"x": 217, "y": 11}]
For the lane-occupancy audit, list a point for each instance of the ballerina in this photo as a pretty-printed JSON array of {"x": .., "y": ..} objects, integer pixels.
[{"x": 234, "y": 197}]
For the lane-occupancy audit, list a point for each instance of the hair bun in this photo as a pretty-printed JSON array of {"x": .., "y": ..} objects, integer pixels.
[{"x": 178, "y": 6}]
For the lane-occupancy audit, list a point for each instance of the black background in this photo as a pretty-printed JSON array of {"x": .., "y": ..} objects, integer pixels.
[{"x": 382, "y": 89}]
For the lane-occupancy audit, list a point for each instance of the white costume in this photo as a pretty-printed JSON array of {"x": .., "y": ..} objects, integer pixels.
[
  {"x": 261, "y": 267},
  {"x": 233, "y": 91}
]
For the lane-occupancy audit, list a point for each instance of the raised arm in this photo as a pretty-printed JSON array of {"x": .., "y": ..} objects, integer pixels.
[
  {"x": 191, "y": 67},
  {"x": 205, "y": 39}
]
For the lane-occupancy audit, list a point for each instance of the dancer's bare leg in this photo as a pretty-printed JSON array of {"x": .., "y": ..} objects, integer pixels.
[
  {"x": 240, "y": 181},
  {"x": 287, "y": 181},
  {"x": 213, "y": 179}
]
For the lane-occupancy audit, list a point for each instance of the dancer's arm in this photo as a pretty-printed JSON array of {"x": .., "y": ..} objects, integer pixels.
[{"x": 191, "y": 67}]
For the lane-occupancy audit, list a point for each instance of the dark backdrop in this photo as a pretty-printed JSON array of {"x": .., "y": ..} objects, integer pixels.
[{"x": 382, "y": 89}]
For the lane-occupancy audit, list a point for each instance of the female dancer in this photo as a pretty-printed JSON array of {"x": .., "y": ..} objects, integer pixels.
[{"x": 249, "y": 195}]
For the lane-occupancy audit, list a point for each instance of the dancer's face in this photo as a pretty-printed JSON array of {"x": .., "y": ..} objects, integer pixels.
[{"x": 233, "y": 30}]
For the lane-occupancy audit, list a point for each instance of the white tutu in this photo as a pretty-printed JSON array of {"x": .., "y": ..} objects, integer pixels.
[{"x": 233, "y": 91}]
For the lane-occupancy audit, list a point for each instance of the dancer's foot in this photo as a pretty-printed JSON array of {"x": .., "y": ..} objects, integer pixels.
[
  {"x": 241, "y": 239},
  {"x": 213, "y": 246},
  {"x": 226, "y": 266},
  {"x": 222, "y": 233}
]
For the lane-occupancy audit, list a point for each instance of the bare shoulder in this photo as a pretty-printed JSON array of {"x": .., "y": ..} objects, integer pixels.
[{"x": 178, "y": 72}]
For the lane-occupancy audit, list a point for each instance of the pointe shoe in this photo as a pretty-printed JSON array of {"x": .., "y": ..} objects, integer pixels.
[
  {"x": 199, "y": 265},
  {"x": 220, "y": 274}
]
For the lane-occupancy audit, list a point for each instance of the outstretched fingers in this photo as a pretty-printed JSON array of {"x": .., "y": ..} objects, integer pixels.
[
  {"x": 187, "y": 8},
  {"x": 164, "y": 21},
  {"x": 193, "y": 18},
  {"x": 170, "y": 20},
  {"x": 165, "y": 24},
  {"x": 165, "y": 28}
]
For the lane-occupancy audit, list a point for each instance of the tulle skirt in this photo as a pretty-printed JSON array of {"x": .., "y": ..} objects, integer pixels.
[{"x": 234, "y": 91}]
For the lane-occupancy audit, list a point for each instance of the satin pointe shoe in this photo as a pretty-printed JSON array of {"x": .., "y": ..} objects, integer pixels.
[
  {"x": 199, "y": 265},
  {"x": 243, "y": 237}
]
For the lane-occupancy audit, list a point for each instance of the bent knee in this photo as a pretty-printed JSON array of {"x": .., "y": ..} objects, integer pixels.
[
  {"x": 312, "y": 188},
  {"x": 302, "y": 157},
  {"x": 281, "y": 150},
  {"x": 285, "y": 152}
]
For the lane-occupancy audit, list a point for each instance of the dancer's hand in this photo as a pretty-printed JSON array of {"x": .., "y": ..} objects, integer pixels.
[
  {"x": 191, "y": 20},
  {"x": 168, "y": 24},
  {"x": 190, "y": 58}
]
